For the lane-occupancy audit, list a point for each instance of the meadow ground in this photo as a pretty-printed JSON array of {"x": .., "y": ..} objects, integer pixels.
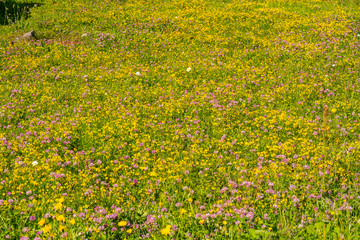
[{"x": 180, "y": 119}]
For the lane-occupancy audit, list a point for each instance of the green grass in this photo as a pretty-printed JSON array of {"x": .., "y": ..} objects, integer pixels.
[{"x": 185, "y": 119}]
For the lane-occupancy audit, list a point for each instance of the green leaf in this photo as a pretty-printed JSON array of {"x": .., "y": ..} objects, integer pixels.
[
  {"x": 319, "y": 225},
  {"x": 328, "y": 228},
  {"x": 103, "y": 236},
  {"x": 141, "y": 214},
  {"x": 144, "y": 215},
  {"x": 310, "y": 229},
  {"x": 262, "y": 233},
  {"x": 337, "y": 230},
  {"x": 252, "y": 233}
]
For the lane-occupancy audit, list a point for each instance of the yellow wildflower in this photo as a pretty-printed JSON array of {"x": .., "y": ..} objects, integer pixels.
[
  {"x": 61, "y": 228},
  {"x": 47, "y": 228},
  {"x": 122, "y": 223},
  {"x": 60, "y": 218},
  {"x": 58, "y": 206},
  {"x": 182, "y": 211},
  {"x": 41, "y": 222},
  {"x": 166, "y": 230}
]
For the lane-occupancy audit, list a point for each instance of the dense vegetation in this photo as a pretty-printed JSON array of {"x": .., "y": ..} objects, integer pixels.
[{"x": 183, "y": 119}]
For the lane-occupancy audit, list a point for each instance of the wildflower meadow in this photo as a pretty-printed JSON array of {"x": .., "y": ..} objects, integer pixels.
[{"x": 180, "y": 119}]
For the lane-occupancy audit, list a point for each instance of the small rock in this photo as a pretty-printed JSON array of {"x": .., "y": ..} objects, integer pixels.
[
  {"x": 85, "y": 35},
  {"x": 29, "y": 35}
]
